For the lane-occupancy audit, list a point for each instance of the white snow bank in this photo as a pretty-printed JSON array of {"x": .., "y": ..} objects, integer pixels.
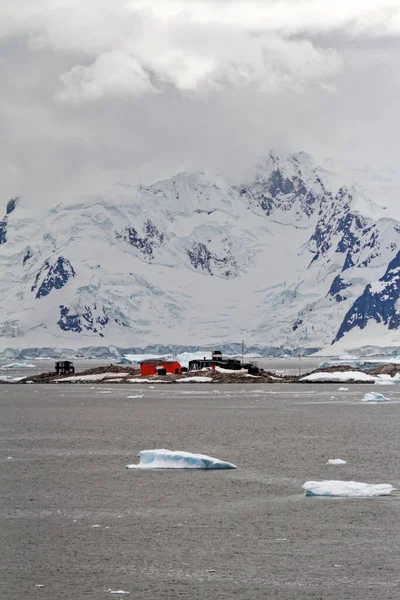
[
  {"x": 95, "y": 377},
  {"x": 195, "y": 380},
  {"x": 340, "y": 376},
  {"x": 231, "y": 371},
  {"x": 374, "y": 397},
  {"x": 18, "y": 366},
  {"x": 336, "y": 461},
  {"x": 10, "y": 378},
  {"x": 144, "y": 380},
  {"x": 168, "y": 459},
  {"x": 349, "y": 489},
  {"x": 385, "y": 379}
]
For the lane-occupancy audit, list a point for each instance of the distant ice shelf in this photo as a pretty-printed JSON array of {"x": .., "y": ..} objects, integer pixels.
[
  {"x": 18, "y": 366},
  {"x": 168, "y": 459}
]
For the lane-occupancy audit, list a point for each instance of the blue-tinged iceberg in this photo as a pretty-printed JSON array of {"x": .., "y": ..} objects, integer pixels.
[
  {"x": 349, "y": 489},
  {"x": 168, "y": 459},
  {"x": 374, "y": 397}
]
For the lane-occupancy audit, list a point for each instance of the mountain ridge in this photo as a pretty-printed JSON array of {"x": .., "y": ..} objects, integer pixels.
[{"x": 279, "y": 260}]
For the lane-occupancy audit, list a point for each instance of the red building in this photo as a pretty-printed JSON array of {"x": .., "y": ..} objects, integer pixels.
[{"x": 155, "y": 366}]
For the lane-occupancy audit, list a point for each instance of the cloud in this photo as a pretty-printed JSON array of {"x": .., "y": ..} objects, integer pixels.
[
  {"x": 197, "y": 46},
  {"x": 106, "y": 90}
]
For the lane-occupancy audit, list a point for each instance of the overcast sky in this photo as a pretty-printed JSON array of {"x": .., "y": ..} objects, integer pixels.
[{"x": 100, "y": 91}]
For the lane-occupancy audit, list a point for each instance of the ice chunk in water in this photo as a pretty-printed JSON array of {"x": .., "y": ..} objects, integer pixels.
[
  {"x": 349, "y": 489},
  {"x": 168, "y": 459},
  {"x": 374, "y": 397},
  {"x": 336, "y": 461}
]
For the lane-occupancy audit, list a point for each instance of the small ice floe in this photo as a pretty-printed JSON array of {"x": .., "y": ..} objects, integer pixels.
[
  {"x": 374, "y": 397},
  {"x": 168, "y": 459},
  {"x": 336, "y": 461},
  {"x": 343, "y": 389},
  {"x": 117, "y": 592},
  {"x": 348, "y": 489}
]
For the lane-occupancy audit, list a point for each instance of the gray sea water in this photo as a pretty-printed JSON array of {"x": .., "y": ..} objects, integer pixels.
[{"x": 75, "y": 521}]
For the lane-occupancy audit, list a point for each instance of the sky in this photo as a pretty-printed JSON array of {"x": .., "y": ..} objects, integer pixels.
[{"x": 96, "y": 92}]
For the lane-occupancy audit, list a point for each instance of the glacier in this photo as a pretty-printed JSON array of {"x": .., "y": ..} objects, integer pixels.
[
  {"x": 348, "y": 489},
  {"x": 168, "y": 459},
  {"x": 294, "y": 259}
]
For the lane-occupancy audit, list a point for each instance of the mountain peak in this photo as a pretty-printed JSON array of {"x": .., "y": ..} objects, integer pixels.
[{"x": 280, "y": 260}]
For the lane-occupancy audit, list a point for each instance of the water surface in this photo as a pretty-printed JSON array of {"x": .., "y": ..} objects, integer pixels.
[{"x": 73, "y": 519}]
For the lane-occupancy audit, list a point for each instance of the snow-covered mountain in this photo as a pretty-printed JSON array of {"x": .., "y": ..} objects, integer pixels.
[{"x": 292, "y": 258}]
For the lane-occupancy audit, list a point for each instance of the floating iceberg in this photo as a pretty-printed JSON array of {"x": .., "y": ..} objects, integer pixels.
[
  {"x": 336, "y": 461},
  {"x": 374, "y": 397},
  {"x": 168, "y": 459},
  {"x": 349, "y": 489}
]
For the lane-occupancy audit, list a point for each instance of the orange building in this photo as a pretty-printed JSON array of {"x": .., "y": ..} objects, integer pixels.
[{"x": 155, "y": 366}]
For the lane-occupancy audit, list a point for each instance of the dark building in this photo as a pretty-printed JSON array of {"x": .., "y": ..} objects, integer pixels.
[
  {"x": 216, "y": 360},
  {"x": 64, "y": 366}
]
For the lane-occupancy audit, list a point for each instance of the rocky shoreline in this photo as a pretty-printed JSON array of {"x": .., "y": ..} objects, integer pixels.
[{"x": 116, "y": 374}]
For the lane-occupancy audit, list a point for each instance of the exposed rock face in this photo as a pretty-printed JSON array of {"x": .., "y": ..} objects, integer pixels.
[
  {"x": 54, "y": 276},
  {"x": 380, "y": 302}
]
